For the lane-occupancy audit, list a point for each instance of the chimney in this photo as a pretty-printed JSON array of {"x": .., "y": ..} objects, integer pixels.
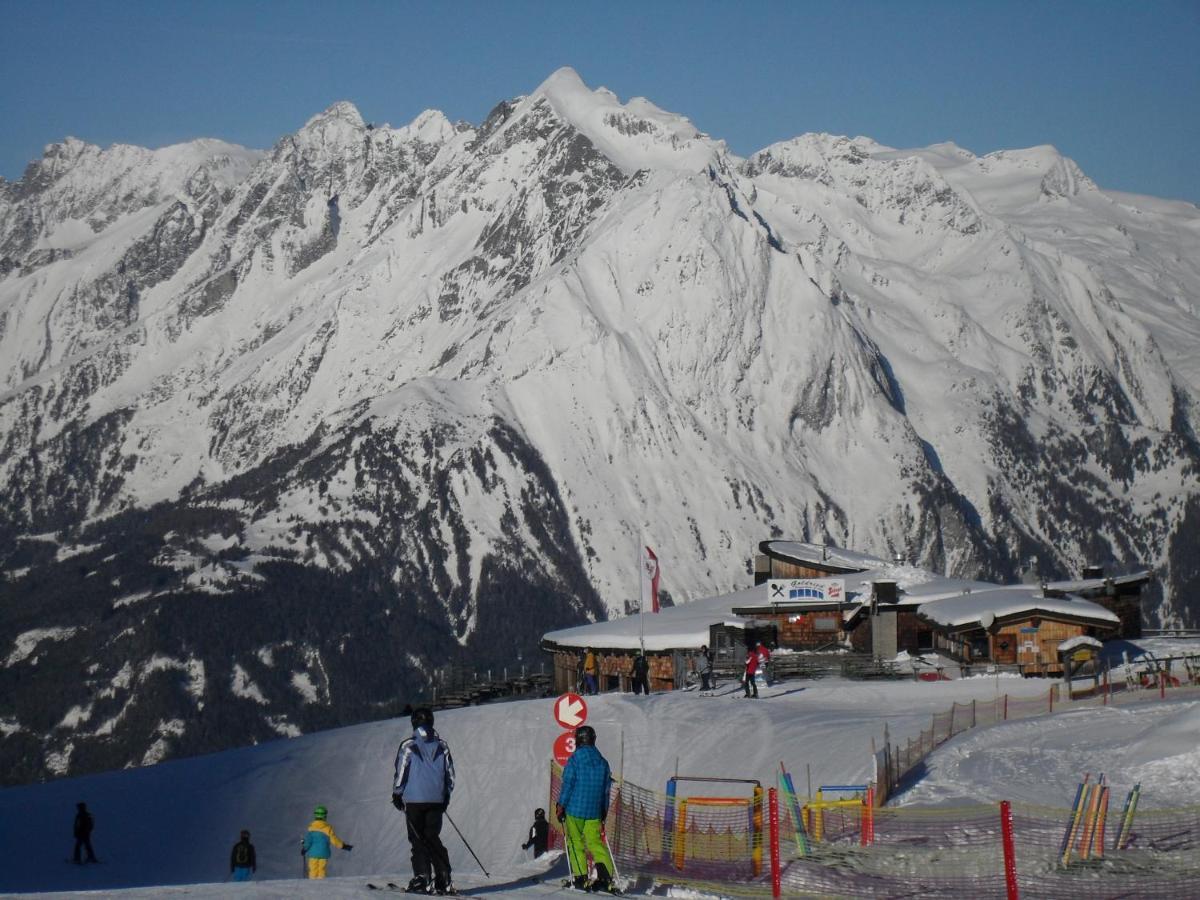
[
  {"x": 1029, "y": 574},
  {"x": 885, "y": 591},
  {"x": 762, "y": 568}
]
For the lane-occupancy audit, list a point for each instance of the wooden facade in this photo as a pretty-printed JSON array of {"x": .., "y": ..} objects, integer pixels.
[
  {"x": 799, "y": 629},
  {"x": 615, "y": 669},
  {"x": 1030, "y": 642}
]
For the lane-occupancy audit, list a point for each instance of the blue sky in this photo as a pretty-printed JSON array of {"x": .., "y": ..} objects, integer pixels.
[{"x": 1114, "y": 85}]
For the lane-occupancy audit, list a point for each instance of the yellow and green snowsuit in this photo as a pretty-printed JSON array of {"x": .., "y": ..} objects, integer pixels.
[
  {"x": 317, "y": 843},
  {"x": 583, "y": 796}
]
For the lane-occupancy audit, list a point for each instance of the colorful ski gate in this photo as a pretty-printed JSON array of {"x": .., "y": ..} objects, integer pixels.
[{"x": 731, "y": 838}]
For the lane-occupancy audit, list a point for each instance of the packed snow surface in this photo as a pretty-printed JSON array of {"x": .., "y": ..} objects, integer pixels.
[
  {"x": 174, "y": 823},
  {"x": 1039, "y": 761}
]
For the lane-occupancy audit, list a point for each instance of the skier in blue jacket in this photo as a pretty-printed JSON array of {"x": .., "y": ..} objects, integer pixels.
[
  {"x": 421, "y": 790},
  {"x": 582, "y": 808}
]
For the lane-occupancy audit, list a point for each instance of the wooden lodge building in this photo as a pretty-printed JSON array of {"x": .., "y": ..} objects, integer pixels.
[{"x": 809, "y": 597}]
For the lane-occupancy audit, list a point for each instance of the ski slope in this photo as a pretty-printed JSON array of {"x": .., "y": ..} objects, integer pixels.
[{"x": 173, "y": 823}]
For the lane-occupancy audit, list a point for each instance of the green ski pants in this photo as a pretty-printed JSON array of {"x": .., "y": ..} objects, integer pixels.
[{"x": 583, "y": 837}]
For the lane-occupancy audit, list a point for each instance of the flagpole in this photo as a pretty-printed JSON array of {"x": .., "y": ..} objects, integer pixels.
[{"x": 641, "y": 593}]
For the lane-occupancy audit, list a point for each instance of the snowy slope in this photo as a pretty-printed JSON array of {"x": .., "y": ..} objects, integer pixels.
[
  {"x": 173, "y": 823},
  {"x": 428, "y": 387}
]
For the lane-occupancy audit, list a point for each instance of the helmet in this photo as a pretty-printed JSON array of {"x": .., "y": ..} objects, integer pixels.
[
  {"x": 585, "y": 736},
  {"x": 539, "y": 813},
  {"x": 422, "y": 717},
  {"x": 320, "y": 812}
]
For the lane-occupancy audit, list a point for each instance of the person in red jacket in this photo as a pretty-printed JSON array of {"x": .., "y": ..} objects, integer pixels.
[
  {"x": 748, "y": 680},
  {"x": 764, "y": 657}
]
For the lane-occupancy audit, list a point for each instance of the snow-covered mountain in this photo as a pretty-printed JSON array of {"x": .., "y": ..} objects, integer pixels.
[{"x": 282, "y": 433}]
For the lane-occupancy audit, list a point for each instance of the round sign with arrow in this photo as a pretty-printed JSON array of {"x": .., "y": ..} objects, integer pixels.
[{"x": 570, "y": 711}]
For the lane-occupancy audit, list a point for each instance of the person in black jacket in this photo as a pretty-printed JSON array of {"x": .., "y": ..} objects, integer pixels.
[
  {"x": 84, "y": 823},
  {"x": 641, "y": 672},
  {"x": 242, "y": 861},
  {"x": 539, "y": 833}
]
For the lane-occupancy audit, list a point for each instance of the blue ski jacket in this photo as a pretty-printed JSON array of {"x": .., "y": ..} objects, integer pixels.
[
  {"x": 586, "y": 784},
  {"x": 424, "y": 769}
]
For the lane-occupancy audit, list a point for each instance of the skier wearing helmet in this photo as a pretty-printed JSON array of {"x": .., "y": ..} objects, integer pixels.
[
  {"x": 424, "y": 780},
  {"x": 317, "y": 843},
  {"x": 582, "y": 808}
]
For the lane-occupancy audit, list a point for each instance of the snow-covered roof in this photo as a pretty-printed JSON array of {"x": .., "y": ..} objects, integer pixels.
[
  {"x": 1082, "y": 585},
  {"x": 676, "y": 627},
  {"x": 950, "y": 602},
  {"x": 821, "y": 554},
  {"x": 1002, "y": 602},
  {"x": 1081, "y": 641}
]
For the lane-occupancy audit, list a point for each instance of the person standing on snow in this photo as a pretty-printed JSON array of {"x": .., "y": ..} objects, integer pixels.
[
  {"x": 539, "y": 834},
  {"x": 641, "y": 674},
  {"x": 582, "y": 808},
  {"x": 764, "y": 657},
  {"x": 589, "y": 672},
  {"x": 421, "y": 790},
  {"x": 748, "y": 679},
  {"x": 704, "y": 667},
  {"x": 317, "y": 843},
  {"x": 84, "y": 823},
  {"x": 242, "y": 861}
]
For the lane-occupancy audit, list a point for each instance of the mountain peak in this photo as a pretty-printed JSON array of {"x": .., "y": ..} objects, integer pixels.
[
  {"x": 634, "y": 135},
  {"x": 564, "y": 80},
  {"x": 342, "y": 111}
]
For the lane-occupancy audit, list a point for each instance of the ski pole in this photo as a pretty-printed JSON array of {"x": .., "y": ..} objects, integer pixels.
[{"x": 465, "y": 844}]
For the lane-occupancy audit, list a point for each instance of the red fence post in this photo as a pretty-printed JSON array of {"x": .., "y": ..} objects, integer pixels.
[
  {"x": 1162, "y": 685},
  {"x": 1010, "y": 857},
  {"x": 868, "y": 831},
  {"x": 773, "y": 819},
  {"x": 1006, "y": 707}
]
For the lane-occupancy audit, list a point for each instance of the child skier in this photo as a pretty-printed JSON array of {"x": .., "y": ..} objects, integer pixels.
[
  {"x": 582, "y": 808},
  {"x": 317, "y": 841},
  {"x": 539, "y": 833}
]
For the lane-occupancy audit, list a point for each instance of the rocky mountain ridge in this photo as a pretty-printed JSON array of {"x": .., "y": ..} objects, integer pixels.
[{"x": 283, "y": 433}]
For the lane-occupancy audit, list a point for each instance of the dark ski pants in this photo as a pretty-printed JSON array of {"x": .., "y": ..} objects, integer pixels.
[
  {"x": 706, "y": 681},
  {"x": 750, "y": 683},
  {"x": 424, "y": 836},
  {"x": 84, "y": 843},
  {"x": 640, "y": 685}
]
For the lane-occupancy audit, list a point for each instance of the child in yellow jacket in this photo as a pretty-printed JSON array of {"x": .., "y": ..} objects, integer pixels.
[{"x": 318, "y": 842}]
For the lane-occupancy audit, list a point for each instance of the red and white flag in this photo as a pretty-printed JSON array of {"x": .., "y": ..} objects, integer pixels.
[{"x": 649, "y": 580}]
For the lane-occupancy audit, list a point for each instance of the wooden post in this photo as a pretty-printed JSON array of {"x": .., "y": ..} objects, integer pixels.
[
  {"x": 1006, "y": 707},
  {"x": 1010, "y": 856}
]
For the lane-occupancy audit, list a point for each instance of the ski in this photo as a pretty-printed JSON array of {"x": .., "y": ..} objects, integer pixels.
[{"x": 569, "y": 885}]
